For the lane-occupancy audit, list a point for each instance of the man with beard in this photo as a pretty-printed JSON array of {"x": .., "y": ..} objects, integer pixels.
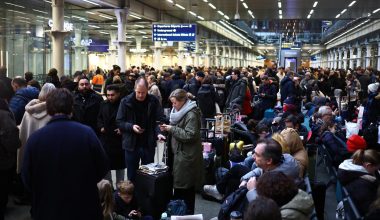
[{"x": 86, "y": 104}]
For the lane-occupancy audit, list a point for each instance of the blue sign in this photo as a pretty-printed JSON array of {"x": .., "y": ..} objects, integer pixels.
[{"x": 174, "y": 32}]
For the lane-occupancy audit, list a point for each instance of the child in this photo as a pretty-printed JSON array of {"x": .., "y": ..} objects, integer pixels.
[
  {"x": 106, "y": 200},
  {"x": 125, "y": 202}
]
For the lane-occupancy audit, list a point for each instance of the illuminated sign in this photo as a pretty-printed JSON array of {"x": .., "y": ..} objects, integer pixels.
[
  {"x": 67, "y": 26},
  {"x": 174, "y": 32}
]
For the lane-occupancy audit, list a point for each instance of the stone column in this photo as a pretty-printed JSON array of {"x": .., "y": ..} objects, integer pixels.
[
  {"x": 157, "y": 49},
  {"x": 112, "y": 49},
  {"x": 368, "y": 55},
  {"x": 57, "y": 35},
  {"x": 26, "y": 45},
  {"x": 138, "y": 53},
  {"x": 207, "y": 55},
  {"x": 121, "y": 15},
  {"x": 224, "y": 56},
  {"x": 351, "y": 62},
  {"x": 196, "y": 52},
  {"x": 358, "y": 56},
  {"x": 378, "y": 56},
  {"x": 78, "y": 48},
  {"x": 345, "y": 58},
  {"x": 181, "y": 54},
  {"x": 217, "y": 55}
]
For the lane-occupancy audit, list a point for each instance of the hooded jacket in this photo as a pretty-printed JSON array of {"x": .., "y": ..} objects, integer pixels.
[
  {"x": 35, "y": 117},
  {"x": 287, "y": 88},
  {"x": 20, "y": 99},
  {"x": 361, "y": 185},
  {"x": 299, "y": 208},
  {"x": 237, "y": 94}
]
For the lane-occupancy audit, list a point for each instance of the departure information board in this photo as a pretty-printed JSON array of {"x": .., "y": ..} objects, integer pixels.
[{"x": 174, "y": 32}]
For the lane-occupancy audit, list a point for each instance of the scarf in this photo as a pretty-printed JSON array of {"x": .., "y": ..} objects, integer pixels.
[{"x": 176, "y": 116}]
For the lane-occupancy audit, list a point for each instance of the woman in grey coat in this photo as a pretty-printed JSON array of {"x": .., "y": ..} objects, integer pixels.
[{"x": 185, "y": 144}]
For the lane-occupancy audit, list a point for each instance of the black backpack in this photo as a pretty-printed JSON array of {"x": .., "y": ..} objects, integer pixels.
[
  {"x": 236, "y": 201},
  {"x": 370, "y": 135}
]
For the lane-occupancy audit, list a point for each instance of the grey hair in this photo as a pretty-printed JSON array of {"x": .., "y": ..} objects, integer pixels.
[
  {"x": 179, "y": 95},
  {"x": 324, "y": 110},
  {"x": 45, "y": 90}
]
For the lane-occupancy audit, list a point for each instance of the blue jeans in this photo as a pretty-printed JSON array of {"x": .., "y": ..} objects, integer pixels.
[{"x": 132, "y": 159}]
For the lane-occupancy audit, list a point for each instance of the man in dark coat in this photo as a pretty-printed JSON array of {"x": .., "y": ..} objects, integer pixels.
[
  {"x": 267, "y": 94},
  {"x": 86, "y": 104},
  {"x": 236, "y": 94},
  {"x": 194, "y": 84},
  {"x": 8, "y": 92},
  {"x": 110, "y": 133},
  {"x": 63, "y": 162},
  {"x": 176, "y": 82},
  {"x": 287, "y": 86},
  {"x": 137, "y": 120}
]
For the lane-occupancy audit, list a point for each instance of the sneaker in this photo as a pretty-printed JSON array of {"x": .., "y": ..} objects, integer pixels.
[{"x": 212, "y": 191}]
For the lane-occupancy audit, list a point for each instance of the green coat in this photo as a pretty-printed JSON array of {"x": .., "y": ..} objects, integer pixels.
[{"x": 186, "y": 144}]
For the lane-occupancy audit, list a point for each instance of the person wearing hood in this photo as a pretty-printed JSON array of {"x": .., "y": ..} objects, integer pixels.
[
  {"x": 293, "y": 202},
  {"x": 359, "y": 175},
  {"x": 206, "y": 99},
  {"x": 23, "y": 95},
  {"x": 35, "y": 117},
  {"x": 372, "y": 108},
  {"x": 184, "y": 142},
  {"x": 287, "y": 86},
  {"x": 237, "y": 91}
]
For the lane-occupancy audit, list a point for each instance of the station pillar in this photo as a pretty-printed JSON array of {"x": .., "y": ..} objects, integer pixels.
[{"x": 121, "y": 16}]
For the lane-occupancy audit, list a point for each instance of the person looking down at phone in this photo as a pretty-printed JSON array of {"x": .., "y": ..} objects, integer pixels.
[{"x": 136, "y": 119}]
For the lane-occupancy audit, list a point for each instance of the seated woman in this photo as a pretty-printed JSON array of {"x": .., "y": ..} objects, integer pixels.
[
  {"x": 293, "y": 202},
  {"x": 360, "y": 177}
]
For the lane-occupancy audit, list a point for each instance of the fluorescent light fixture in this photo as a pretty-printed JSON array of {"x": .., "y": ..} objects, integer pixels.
[
  {"x": 142, "y": 32},
  {"x": 19, "y": 6},
  {"x": 308, "y": 16},
  {"x": 24, "y": 21},
  {"x": 311, "y": 11},
  {"x": 105, "y": 16},
  {"x": 47, "y": 1},
  {"x": 352, "y": 3},
  {"x": 193, "y": 13},
  {"x": 212, "y": 6},
  {"x": 315, "y": 4},
  {"x": 93, "y": 26},
  {"x": 39, "y": 21},
  {"x": 376, "y": 11},
  {"x": 134, "y": 16},
  {"x": 137, "y": 25},
  {"x": 369, "y": 14},
  {"x": 280, "y": 16},
  {"x": 205, "y": 0},
  {"x": 145, "y": 37},
  {"x": 43, "y": 12},
  {"x": 252, "y": 16},
  {"x": 114, "y": 25},
  {"x": 337, "y": 16},
  {"x": 16, "y": 11},
  {"x": 250, "y": 12},
  {"x": 180, "y": 6},
  {"x": 342, "y": 12},
  {"x": 200, "y": 18},
  {"x": 344, "y": 33},
  {"x": 89, "y": 12},
  {"x": 22, "y": 17},
  {"x": 80, "y": 18},
  {"x": 91, "y": 2},
  {"x": 245, "y": 5},
  {"x": 232, "y": 30},
  {"x": 170, "y": 1},
  {"x": 226, "y": 17},
  {"x": 280, "y": 12},
  {"x": 221, "y": 13},
  {"x": 103, "y": 32},
  {"x": 279, "y": 5}
]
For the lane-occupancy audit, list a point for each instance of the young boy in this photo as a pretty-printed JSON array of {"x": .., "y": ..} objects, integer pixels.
[{"x": 125, "y": 202}]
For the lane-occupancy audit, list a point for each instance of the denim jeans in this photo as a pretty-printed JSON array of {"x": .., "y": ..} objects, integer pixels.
[{"x": 132, "y": 159}]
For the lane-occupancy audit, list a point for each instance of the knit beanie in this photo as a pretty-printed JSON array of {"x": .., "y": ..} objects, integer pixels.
[{"x": 355, "y": 142}]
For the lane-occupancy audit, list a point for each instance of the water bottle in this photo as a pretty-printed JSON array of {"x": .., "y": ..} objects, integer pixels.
[
  {"x": 164, "y": 216},
  {"x": 236, "y": 215}
]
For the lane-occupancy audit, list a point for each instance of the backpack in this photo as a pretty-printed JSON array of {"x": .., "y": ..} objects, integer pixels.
[
  {"x": 236, "y": 201},
  {"x": 370, "y": 134},
  {"x": 176, "y": 207}
]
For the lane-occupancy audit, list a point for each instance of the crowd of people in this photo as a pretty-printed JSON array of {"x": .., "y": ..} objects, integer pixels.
[{"x": 62, "y": 140}]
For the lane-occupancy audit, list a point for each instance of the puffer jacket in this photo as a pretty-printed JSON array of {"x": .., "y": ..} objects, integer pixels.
[
  {"x": 299, "y": 208},
  {"x": 335, "y": 146},
  {"x": 20, "y": 99}
]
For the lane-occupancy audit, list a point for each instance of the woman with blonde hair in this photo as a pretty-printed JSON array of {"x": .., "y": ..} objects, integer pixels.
[{"x": 294, "y": 143}]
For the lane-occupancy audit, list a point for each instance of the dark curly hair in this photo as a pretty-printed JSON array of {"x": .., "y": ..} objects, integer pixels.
[
  {"x": 59, "y": 101},
  {"x": 277, "y": 186},
  {"x": 262, "y": 208}
]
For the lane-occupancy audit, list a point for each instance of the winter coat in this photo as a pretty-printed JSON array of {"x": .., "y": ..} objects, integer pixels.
[
  {"x": 364, "y": 80},
  {"x": 9, "y": 141},
  {"x": 207, "y": 98},
  {"x": 154, "y": 90},
  {"x": 236, "y": 94},
  {"x": 287, "y": 88},
  {"x": 361, "y": 185},
  {"x": 187, "y": 150},
  {"x": 7, "y": 92},
  {"x": 193, "y": 86},
  {"x": 371, "y": 110},
  {"x": 62, "y": 165},
  {"x": 336, "y": 147},
  {"x": 110, "y": 139},
  {"x": 296, "y": 148},
  {"x": 247, "y": 109},
  {"x": 175, "y": 83},
  {"x": 20, "y": 99},
  {"x": 126, "y": 118},
  {"x": 35, "y": 117},
  {"x": 299, "y": 208},
  {"x": 86, "y": 108},
  {"x": 269, "y": 99}
]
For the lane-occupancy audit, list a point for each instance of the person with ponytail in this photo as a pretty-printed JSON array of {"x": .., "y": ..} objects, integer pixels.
[{"x": 360, "y": 176}]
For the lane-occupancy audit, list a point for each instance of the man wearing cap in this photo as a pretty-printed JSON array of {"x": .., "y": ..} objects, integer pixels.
[{"x": 194, "y": 84}]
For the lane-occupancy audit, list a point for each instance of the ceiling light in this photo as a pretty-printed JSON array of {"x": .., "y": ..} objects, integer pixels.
[
  {"x": 170, "y": 1},
  {"x": 143, "y": 32},
  {"x": 47, "y": 1},
  {"x": 180, "y": 6},
  {"x": 137, "y": 25},
  {"x": 347, "y": 31},
  {"x": 315, "y": 4},
  {"x": 352, "y": 3},
  {"x": 39, "y": 21},
  {"x": 369, "y": 14},
  {"x": 145, "y": 37},
  {"x": 226, "y": 17},
  {"x": 280, "y": 12},
  {"x": 249, "y": 12},
  {"x": 91, "y": 2},
  {"x": 245, "y": 5},
  {"x": 280, "y": 16},
  {"x": 376, "y": 11},
  {"x": 94, "y": 26},
  {"x": 89, "y": 12},
  {"x": 7, "y": 3},
  {"x": 311, "y": 11},
  {"x": 114, "y": 25},
  {"x": 43, "y": 12},
  {"x": 103, "y": 32},
  {"x": 24, "y": 21},
  {"x": 134, "y": 16},
  {"x": 221, "y": 13},
  {"x": 105, "y": 16},
  {"x": 337, "y": 16},
  {"x": 342, "y": 12},
  {"x": 16, "y": 11},
  {"x": 252, "y": 16},
  {"x": 308, "y": 17},
  {"x": 212, "y": 6},
  {"x": 193, "y": 13},
  {"x": 201, "y": 18},
  {"x": 279, "y": 4},
  {"x": 205, "y": 0}
]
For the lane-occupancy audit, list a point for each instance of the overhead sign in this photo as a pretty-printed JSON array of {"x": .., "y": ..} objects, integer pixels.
[
  {"x": 174, "y": 32},
  {"x": 67, "y": 26}
]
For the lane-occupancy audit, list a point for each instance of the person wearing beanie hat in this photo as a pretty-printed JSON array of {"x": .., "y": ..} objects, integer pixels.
[
  {"x": 372, "y": 107},
  {"x": 355, "y": 142},
  {"x": 373, "y": 87}
]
